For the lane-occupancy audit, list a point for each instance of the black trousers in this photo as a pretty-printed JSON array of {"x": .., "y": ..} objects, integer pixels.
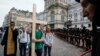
[
  {"x": 88, "y": 44},
  {"x": 78, "y": 41},
  {"x": 83, "y": 42},
  {"x": 23, "y": 49},
  {"x": 38, "y": 52},
  {"x": 47, "y": 50}
]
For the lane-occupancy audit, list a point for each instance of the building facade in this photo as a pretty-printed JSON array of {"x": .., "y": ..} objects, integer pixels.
[
  {"x": 75, "y": 14},
  {"x": 56, "y": 13},
  {"x": 24, "y": 18},
  {"x": 41, "y": 16},
  {"x": 20, "y": 17}
]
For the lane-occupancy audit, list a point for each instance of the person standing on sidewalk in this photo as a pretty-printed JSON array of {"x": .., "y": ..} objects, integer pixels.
[
  {"x": 23, "y": 39},
  {"x": 38, "y": 41},
  {"x": 48, "y": 41},
  {"x": 29, "y": 44},
  {"x": 10, "y": 40}
]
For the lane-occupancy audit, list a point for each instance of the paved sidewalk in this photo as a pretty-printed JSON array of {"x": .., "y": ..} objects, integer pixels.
[{"x": 62, "y": 48}]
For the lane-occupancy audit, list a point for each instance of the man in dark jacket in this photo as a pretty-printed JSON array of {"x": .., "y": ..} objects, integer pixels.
[
  {"x": 14, "y": 33},
  {"x": 91, "y": 9}
]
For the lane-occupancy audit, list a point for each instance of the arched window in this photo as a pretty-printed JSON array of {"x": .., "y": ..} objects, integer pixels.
[
  {"x": 62, "y": 16},
  {"x": 52, "y": 16}
]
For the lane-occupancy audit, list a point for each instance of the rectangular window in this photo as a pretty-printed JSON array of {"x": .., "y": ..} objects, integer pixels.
[
  {"x": 81, "y": 16},
  {"x": 75, "y": 17},
  {"x": 82, "y": 19}
]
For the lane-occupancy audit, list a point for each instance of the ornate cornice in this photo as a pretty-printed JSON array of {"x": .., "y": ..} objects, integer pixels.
[{"x": 57, "y": 5}]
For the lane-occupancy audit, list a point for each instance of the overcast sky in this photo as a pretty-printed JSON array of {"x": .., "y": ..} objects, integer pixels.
[{"x": 6, "y": 5}]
